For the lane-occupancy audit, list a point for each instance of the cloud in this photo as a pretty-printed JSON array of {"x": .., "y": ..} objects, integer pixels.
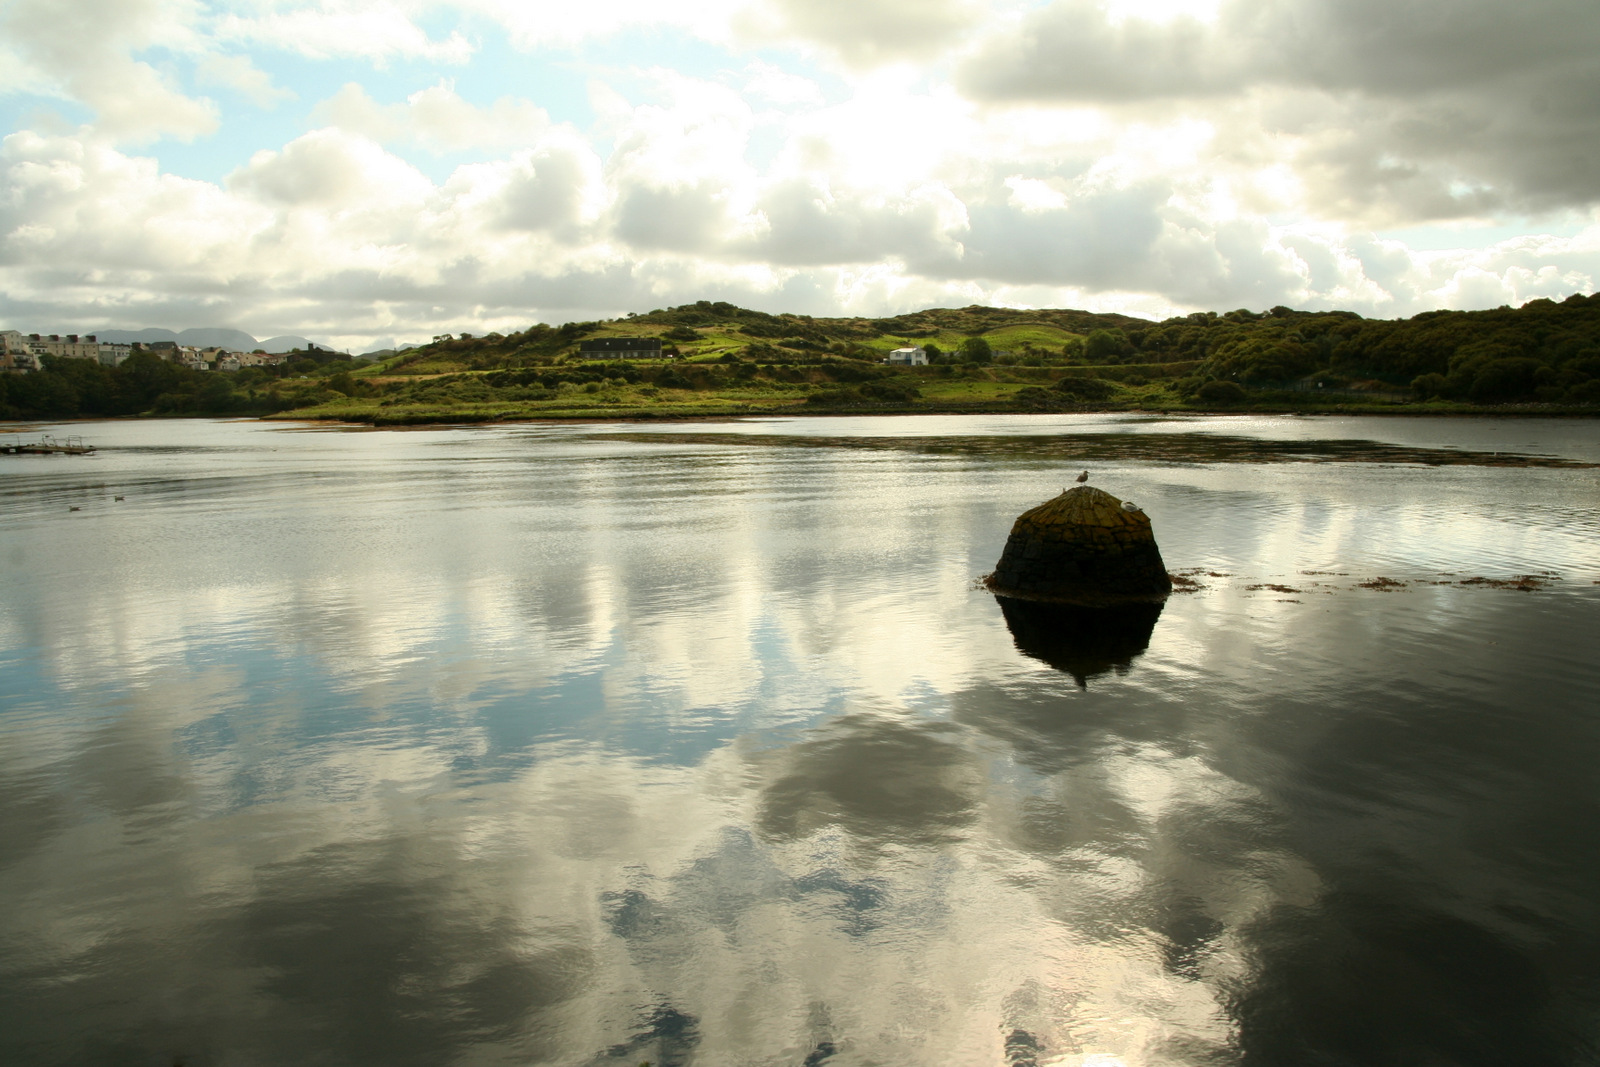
[
  {"x": 83, "y": 51},
  {"x": 897, "y": 196},
  {"x": 812, "y": 222},
  {"x": 868, "y": 32},
  {"x": 531, "y": 26},
  {"x": 678, "y": 166},
  {"x": 329, "y": 169},
  {"x": 554, "y": 186},
  {"x": 776, "y": 86},
  {"x": 1446, "y": 110},
  {"x": 1101, "y": 238},
  {"x": 333, "y": 29},
  {"x": 239, "y": 74},
  {"x": 1078, "y": 49},
  {"x": 436, "y": 119},
  {"x": 79, "y": 206}
]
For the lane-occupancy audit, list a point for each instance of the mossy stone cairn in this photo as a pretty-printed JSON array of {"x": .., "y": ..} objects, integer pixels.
[{"x": 1082, "y": 547}]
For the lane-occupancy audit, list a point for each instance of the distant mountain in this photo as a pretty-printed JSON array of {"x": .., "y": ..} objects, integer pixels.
[
  {"x": 237, "y": 340},
  {"x": 287, "y": 343},
  {"x": 199, "y": 338}
]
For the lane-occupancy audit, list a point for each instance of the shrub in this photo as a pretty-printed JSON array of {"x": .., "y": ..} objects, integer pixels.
[
  {"x": 834, "y": 397},
  {"x": 1085, "y": 388},
  {"x": 1034, "y": 397},
  {"x": 1427, "y": 386},
  {"x": 1501, "y": 380},
  {"x": 1221, "y": 392},
  {"x": 883, "y": 392},
  {"x": 1102, "y": 346},
  {"x": 976, "y": 350}
]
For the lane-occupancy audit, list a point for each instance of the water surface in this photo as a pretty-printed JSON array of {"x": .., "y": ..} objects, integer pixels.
[{"x": 697, "y": 744}]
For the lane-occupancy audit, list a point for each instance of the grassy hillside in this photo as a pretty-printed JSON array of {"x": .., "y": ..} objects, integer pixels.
[
  {"x": 1543, "y": 357},
  {"x": 712, "y": 331}
]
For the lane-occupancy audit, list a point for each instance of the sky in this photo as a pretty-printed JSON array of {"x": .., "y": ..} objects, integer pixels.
[{"x": 366, "y": 172}]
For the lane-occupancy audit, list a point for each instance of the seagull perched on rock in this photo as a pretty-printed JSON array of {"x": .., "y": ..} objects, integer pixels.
[
  {"x": 1128, "y": 505},
  {"x": 1080, "y": 479}
]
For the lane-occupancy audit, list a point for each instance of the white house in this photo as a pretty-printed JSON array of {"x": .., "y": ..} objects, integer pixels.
[{"x": 909, "y": 357}]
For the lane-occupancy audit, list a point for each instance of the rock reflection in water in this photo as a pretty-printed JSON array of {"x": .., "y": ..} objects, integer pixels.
[{"x": 1081, "y": 641}]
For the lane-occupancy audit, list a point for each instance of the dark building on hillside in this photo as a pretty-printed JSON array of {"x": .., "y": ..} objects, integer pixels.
[{"x": 621, "y": 348}]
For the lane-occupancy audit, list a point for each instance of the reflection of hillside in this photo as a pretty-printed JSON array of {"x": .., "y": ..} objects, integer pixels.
[{"x": 1081, "y": 641}]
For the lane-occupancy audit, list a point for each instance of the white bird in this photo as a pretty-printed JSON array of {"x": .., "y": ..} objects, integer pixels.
[
  {"x": 1083, "y": 477},
  {"x": 1128, "y": 505}
]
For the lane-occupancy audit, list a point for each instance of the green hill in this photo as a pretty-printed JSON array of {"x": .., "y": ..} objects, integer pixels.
[
  {"x": 1541, "y": 358},
  {"x": 711, "y": 330}
]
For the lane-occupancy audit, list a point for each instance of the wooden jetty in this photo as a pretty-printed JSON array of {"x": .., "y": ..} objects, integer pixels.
[{"x": 46, "y": 446}]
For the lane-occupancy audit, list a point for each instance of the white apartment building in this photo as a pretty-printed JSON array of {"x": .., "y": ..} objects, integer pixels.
[{"x": 69, "y": 347}]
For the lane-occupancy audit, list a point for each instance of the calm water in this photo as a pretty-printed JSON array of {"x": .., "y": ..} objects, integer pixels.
[{"x": 696, "y": 744}]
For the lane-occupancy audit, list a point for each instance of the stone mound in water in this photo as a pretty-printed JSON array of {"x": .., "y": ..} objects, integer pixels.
[{"x": 1082, "y": 547}]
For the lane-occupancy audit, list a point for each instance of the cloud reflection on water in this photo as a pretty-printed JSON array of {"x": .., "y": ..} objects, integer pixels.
[{"x": 605, "y": 767}]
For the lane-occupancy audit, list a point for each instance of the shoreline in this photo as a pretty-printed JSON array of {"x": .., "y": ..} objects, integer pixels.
[
  {"x": 461, "y": 418},
  {"x": 570, "y": 415}
]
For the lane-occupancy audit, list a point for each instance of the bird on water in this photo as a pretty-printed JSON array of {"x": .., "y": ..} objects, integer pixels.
[{"x": 1082, "y": 477}]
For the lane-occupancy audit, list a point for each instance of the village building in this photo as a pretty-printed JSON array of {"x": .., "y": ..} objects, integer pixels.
[
  {"x": 259, "y": 359},
  {"x": 621, "y": 348},
  {"x": 24, "y": 352},
  {"x": 69, "y": 347},
  {"x": 13, "y": 346},
  {"x": 114, "y": 355},
  {"x": 909, "y": 357}
]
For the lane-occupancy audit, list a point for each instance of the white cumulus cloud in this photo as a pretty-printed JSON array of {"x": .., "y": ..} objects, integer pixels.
[{"x": 820, "y": 158}]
